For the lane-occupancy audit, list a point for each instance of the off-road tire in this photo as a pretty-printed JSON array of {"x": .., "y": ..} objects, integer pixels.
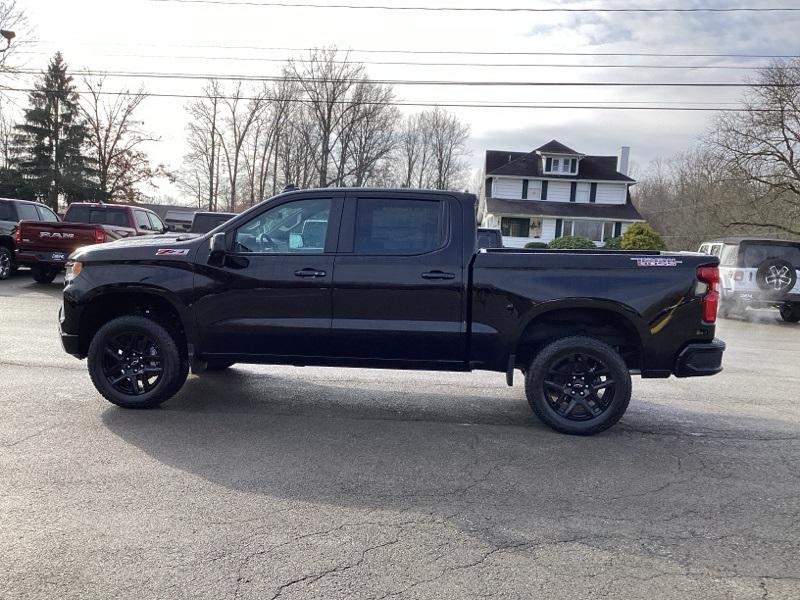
[
  {"x": 790, "y": 312},
  {"x": 43, "y": 275},
  {"x": 776, "y": 272},
  {"x": 590, "y": 348},
  {"x": 175, "y": 366},
  {"x": 6, "y": 263}
]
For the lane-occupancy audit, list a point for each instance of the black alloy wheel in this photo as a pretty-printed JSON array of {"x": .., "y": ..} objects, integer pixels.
[
  {"x": 790, "y": 313},
  {"x": 132, "y": 363},
  {"x": 6, "y": 263},
  {"x": 578, "y": 385}
]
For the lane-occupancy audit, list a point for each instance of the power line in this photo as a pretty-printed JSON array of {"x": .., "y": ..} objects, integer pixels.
[
  {"x": 432, "y": 82},
  {"x": 498, "y": 9},
  {"x": 459, "y": 52},
  {"x": 432, "y": 64},
  {"x": 564, "y": 106}
]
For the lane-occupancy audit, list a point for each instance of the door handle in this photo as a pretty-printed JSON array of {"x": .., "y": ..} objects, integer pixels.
[
  {"x": 438, "y": 275},
  {"x": 308, "y": 272}
]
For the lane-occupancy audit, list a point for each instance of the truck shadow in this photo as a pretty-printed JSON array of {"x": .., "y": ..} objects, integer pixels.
[{"x": 481, "y": 462}]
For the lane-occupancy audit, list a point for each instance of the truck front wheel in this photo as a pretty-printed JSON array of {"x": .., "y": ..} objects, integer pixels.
[
  {"x": 790, "y": 312},
  {"x": 578, "y": 385},
  {"x": 134, "y": 362}
]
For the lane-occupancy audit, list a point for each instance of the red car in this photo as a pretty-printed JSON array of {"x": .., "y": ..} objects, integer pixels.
[{"x": 45, "y": 246}]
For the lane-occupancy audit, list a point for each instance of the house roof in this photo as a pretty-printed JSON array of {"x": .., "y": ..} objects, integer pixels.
[
  {"x": 529, "y": 164},
  {"x": 545, "y": 208},
  {"x": 556, "y": 147}
]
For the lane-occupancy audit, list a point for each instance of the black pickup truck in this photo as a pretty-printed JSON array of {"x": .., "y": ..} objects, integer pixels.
[{"x": 392, "y": 279}]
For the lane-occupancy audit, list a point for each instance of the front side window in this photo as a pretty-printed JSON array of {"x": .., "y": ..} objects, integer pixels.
[
  {"x": 295, "y": 227},
  {"x": 142, "y": 222},
  {"x": 156, "y": 223},
  {"x": 399, "y": 226},
  {"x": 45, "y": 214}
]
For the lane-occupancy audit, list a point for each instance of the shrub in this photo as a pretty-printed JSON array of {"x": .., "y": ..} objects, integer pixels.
[
  {"x": 640, "y": 236},
  {"x": 536, "y": 245},
  {"x": 572, "y": 242},
  {"x": 613, "y": 243}
]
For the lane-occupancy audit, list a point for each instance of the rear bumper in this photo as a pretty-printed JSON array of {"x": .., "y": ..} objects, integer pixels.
[
  {"x": 756, "y": 299},
  {"x": 55, "y": 259},
  {"x": 700, "y": 359}
]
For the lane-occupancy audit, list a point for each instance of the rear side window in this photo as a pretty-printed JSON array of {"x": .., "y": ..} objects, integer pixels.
[
  {"x": 7, "y": 212},
  {"x": 45, "y": 214},
  {"x": 395, "y": 226},
  {"x": 755, "y": 254},
  {"x": 96, "y": 215},
  {"x": 729, "y": 255},
  {"x": 27, "y": 212}
]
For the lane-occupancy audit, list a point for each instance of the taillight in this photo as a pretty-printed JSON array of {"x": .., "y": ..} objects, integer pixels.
[
  {"x": 18, "y": 235},
  {"x": 709, "y": 275},
  {"x": 99, "y": 235}
]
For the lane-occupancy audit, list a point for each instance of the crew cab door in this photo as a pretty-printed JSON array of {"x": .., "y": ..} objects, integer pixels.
[
  {"x": 272, "y": 296},
  {"x": 398, "y": 285}
]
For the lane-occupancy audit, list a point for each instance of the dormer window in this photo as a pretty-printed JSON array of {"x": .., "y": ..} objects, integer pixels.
[{"x": 560, "y": 165}]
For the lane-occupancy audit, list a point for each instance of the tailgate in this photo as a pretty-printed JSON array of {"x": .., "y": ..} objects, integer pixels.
[{"x": 61, "y": 237}]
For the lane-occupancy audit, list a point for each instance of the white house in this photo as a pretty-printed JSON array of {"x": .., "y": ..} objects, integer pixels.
[{"x": 555, "y": 191}]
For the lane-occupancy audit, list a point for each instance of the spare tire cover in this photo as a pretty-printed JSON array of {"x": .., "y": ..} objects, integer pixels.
[{"x": 776, "y": 276}]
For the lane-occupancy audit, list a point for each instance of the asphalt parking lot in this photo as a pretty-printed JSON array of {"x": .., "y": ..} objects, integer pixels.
[{"x": 267, "y": 482}]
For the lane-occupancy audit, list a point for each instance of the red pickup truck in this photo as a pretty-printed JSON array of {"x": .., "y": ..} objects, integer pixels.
[{"x": 45, "y": 247}]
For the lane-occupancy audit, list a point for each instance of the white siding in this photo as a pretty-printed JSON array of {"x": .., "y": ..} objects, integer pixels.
[
  {"x": 625, "y": 226},
  {"x": 548, "y": 230},
  {"x": 558, "y": 191},
  {"x": 611, "y": 193},
  {"x": 510, "y": 189}
]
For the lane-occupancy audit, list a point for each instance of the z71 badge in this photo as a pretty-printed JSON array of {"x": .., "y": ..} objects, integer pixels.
[
  {"x": 656, "y": 261},
  {"x": 172, "y": 251}
]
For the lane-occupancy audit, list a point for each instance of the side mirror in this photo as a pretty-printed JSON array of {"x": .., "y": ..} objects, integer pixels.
[{"x": 218, "y": 249}]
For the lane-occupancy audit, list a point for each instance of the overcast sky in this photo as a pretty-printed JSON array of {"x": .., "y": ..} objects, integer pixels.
[{"x": 157, "y": 36}]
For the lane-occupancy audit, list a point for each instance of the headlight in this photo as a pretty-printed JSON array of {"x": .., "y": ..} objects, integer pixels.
[{"x": 73, "y": 270}]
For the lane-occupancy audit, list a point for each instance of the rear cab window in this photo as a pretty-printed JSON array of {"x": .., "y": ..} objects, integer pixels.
[
  {"x": 400, "y": 226},
  {"x": 7, "y": 212},
  {"x": 97, "y": 215}
]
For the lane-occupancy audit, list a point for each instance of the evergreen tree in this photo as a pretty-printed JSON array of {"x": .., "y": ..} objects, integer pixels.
[{"x": 50, "y": 142}]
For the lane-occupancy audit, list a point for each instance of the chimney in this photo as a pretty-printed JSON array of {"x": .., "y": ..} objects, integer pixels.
[{"x": 624, "y": 159}]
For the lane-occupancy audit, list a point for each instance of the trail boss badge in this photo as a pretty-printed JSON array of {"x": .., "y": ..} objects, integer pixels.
[{"x": 656, "y": 261}]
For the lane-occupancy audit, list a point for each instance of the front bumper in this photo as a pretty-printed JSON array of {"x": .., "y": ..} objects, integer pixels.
[
  {"x": 700, "y": 359},
  {"x": 69, "y": 341}
]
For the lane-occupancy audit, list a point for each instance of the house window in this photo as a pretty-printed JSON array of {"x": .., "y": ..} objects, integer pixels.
[
  {"x": 597, "y": 231},
  {"x": 582, "y": 192},
  {"x": 565, "y": 166},
  {"x": 555, "y": 165},
  {"x": 519, "y": 227}
]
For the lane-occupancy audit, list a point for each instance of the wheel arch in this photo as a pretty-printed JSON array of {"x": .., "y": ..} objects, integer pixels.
[
  {"x": 109, "y": 303},
  {"x": 612, "y": 323}
]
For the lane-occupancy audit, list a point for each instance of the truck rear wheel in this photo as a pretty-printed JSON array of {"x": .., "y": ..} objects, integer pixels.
[
  {"x": 578, "y": 385},
  {"x": 134, "y": 362},
  {"x": 44, "y": 274}
]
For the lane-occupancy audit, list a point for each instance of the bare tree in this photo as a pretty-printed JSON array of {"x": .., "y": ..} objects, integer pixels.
[
  {"x": 15, "y": 27},
  {"x": 326, "y": 81},
  {"x": 115, "y": 139},
  {"x": 413, "y": 149},
  {"x": 761, "y": 146},
  {"x": 7, "y": 132},
  {"x": 203, "y": 157}
]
